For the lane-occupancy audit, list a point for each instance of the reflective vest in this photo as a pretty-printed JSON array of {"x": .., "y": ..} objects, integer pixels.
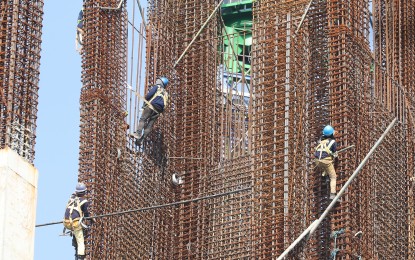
[
  {"x": 74, "y": 204},
  {"x": 324, "y": 146},
  {"x": 161, "y": 92}
]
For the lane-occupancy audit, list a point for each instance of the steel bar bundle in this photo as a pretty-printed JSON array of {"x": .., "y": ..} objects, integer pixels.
[{"x": 20, "y": 39}]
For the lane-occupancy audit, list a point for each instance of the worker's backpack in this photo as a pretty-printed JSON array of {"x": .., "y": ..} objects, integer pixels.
[
  {"x": 324, "y": 146},
  {"x": 73, "y": 212}
]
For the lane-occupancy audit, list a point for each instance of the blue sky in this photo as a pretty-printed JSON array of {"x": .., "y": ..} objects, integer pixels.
[{"x": 57, "y": 141}]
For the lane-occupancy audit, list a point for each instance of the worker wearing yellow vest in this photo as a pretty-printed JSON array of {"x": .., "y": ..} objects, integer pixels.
[
  {"x": 76, "y": 209},
  {"x": 325, "y": 153},
  {"x": 154, "y": 104}
]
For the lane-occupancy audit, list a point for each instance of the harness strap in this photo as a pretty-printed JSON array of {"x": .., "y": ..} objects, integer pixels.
[
  {"x": 161, "y": 92},
  {"x": 75, "y": 204},
  {"x": 324, "y": 146}
]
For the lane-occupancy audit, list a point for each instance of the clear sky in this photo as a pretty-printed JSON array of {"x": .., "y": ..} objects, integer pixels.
[{"x": 57, "y": 141}]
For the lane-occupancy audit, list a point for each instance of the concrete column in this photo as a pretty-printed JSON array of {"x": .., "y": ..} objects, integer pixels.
[{"x": 18, "y": 196}]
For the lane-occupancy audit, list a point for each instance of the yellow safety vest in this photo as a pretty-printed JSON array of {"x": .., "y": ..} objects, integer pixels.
[{"x": 324, "y": 146}]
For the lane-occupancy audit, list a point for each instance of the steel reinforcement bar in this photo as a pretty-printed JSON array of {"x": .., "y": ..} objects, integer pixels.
[
  {"x": 300, "y": 80},
  {"x": 20, "y": 40},
  {"x": 103, "y": 150}
]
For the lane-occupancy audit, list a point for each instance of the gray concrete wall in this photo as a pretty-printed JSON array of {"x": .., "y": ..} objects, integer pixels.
[{"x": 18, "y": 196}]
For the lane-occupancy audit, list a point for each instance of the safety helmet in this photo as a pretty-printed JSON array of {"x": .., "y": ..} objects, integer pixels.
[
  {"x": 80, "y": 188},
  {"x": 328, "y": 130},
  {"x": 164, "y": 80}
]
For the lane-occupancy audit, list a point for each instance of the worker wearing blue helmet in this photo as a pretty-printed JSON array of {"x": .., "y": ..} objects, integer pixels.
[
  {"x": 325, "y": 153},
  {"x": 154, "y": 104}
]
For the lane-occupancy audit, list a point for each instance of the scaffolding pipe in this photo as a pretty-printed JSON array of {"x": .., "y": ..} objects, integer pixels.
[
  {"x": 303, "y": 17},
  {"x": 291, "y": 247},
  {"x": 197, "y": 34},
  {"x": 310, "y": 230}
]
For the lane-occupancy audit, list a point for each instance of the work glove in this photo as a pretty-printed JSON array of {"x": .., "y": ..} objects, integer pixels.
[{"x": 335, "y": 155}]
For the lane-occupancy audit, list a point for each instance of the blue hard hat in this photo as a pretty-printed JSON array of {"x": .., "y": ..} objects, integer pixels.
[
  {"x": 328, "y": 130},
  {"x": 164, "y": 80},
  {"x": 80, "y": 188}
]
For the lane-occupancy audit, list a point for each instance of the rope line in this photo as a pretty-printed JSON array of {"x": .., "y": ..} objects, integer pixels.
[{"x": 155, "y": 206}]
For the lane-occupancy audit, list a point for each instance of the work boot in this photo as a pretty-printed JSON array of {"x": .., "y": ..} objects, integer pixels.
[{"x": 135, "y": 135}]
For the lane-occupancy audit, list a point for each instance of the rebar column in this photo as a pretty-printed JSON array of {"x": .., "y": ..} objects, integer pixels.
[
  {"x": 20, "y": 40},
  {"x": 103, "y": 134}
]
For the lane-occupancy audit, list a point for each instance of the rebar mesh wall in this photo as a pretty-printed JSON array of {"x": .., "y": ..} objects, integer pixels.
[
  {"x": 20, "y": 40},
  {"x": 302, "y": 79},
  {"x": 394, "y": 85},
  {"x": 193, "y": 127},
  {"x": 333, "y": 45},
  {"x": 349, "y": 89},
  {"x": 279, "y": 82},
  {"x": 102, "y": 126}
]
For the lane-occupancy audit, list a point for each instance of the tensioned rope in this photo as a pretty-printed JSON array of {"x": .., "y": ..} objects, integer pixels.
[{"x": 155, "y": 206}]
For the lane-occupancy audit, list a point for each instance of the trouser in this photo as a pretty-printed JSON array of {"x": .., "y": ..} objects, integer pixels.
[
  {"x": 326, "y": 165},
  {"x": 147, "y": 120},
  {"x": 78, "y": 235}
]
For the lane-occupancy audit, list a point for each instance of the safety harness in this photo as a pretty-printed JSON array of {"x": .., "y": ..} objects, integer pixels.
[
  {"x": 74, "y": 204},
  {"x": 161, "y": 92},
  {"x": 324, "y": 146}
]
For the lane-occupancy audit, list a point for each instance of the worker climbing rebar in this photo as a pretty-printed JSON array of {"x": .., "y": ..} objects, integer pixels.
[
  {"x": 326, "y": 152},
  {"x": 154, "y": 104},
  {"x": 76, "y": 210}
]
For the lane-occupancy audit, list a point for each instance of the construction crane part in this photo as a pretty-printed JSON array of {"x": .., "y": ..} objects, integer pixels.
[
  {"x": 20, "y": 40},
  {"x": 249, "y": 100}
]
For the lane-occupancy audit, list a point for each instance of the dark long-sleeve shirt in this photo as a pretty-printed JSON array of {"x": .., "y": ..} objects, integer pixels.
[
  {"x": 84, "y": 208},
  {"x": 157, "y": 102},
  {"x": 333, "y": 147}
]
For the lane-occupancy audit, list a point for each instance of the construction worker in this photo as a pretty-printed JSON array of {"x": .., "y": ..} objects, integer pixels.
[
  {"x": 325, "y": 153},
  {"x": 76, "y": 210},
  {"x": 79, "y": 31},
  {"x": 154, "y": 104}
]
